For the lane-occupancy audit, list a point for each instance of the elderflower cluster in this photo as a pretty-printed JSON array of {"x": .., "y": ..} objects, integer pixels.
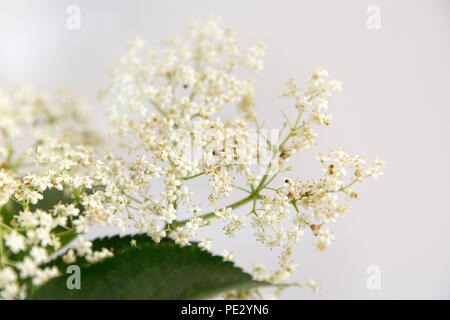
[
  {"x": 61, "y": 116},
  {"x": 92, "y": 193},
  {"x": 168, "y": 110},
  {"x": 32, "y": 227},
  {"x": 164, "y": 105}
]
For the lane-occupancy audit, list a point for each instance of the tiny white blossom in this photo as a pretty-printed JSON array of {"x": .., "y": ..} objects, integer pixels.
[{"x": 14, "y": 241}]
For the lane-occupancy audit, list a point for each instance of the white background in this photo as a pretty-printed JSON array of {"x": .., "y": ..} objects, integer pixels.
[{"x": 394, "y": 103}]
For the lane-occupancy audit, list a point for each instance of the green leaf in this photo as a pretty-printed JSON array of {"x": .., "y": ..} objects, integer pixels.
[
  {"x": 8, "y": 211},
  {"x": 150, "y": 271},
  {"x": 51, "y": 197}
]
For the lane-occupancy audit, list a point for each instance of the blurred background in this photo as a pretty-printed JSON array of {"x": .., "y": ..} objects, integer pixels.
[{"x": 393, "y": 59}]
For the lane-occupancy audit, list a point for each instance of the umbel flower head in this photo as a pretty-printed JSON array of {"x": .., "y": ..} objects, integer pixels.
[{"x": 164, "y": 108}]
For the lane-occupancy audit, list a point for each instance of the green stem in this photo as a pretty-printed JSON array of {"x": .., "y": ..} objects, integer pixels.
[
  {"x": 4, "y": 225},
  {"x": 242, "y": 189},
  {"x": 345, "y": 187},
  {"x": 255, "y": 192},
  {"x": 293, "y": 129},
  {"x": 2, "y": 261},
  {"x": 9, "y": 154},
  {"x": 133, "y": 199},
  {"x": 211, "y": 215},
  {"x": 252, "y": 196},
  {"x": 158, "y": 107},
  {"x": 194, "y": 176}
]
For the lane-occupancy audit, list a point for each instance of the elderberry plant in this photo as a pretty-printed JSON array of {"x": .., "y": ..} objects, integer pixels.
[{"x": 163, "y": 108}]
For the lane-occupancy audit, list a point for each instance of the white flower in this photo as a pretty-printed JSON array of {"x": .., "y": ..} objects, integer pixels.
[
  {"x": 14, "y": 241},
  {"x": 10, "y": 291},
  {"x": 28, "y": 219},
  {"x": 7, "y": 275},
  {"x": 313, "y": 284},
  {"x": 27, "y": 268},
  {"x": 69, "y": 257},
  {"x": 39, "y": 254},
  {"x": 205, "y": 244},
  {"x": 43, "y": 275},
  {"x": 223, "y": 213},
  {"x": 83, "y": 247},
  {"x": 34, "y": 196},
  {"x": 97, "y": 256},
  {"x": 227, "y": 256}
]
